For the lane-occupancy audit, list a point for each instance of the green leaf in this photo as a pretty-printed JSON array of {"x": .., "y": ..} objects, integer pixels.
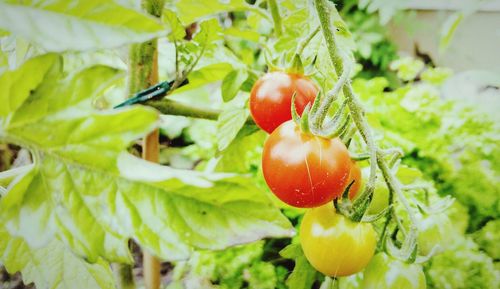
[
  {"x": 77, "y": 25},
  {"x": 215, "y": 211},
  {"x": 244, "y": 152},
  {"x": 52, "y": 266},
  {"x": 210, "y": 31},
  {"x": 6, "y": 177},
  {"x": 437, "y": 75},
  {"x": 232, "y": 83},
  {"x": 489, "y": 238},
  {"x": 177, "y": 31},
  {"x": 303, "y": 275},
  {"x": 448, "y": 30},
  {"x": 15, "y": 87},
  {"x": 229, "y": 124},
  {"x": 191, "y": 10},
  {"x": 408, "y": 68},
  {"x": 408, "y": 175},
  {"x": 84, "y": 181},
  {"x": 243, "y": 34},
  {"x": 205, "y": 75},
  {"x": 4, "y": 61},
  {"x": 56, "y": 122},
  {"x": 472, "y": 268}
]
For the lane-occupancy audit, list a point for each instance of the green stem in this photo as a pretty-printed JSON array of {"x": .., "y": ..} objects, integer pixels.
[
  {"x": 357, "y": 113},
  {"x": 303, "y": 44},
  {"x": 172, "y": 107},
  {"x": 394, "y": 186},
  {"x": 353, "y": 103},
  {"x": 331, "y": 96},
  {"x": 275, "y": 13},
  {"x": 185, "y": 73},
  {"x": 360, "y": 157},
  {"x": 143, "y": 74},
  {"x": 383, "y": 234}
]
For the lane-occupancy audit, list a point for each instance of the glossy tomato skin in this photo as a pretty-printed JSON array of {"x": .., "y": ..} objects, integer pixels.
[
  {"x": 354, "y": 175},
  {"x": 335, "y": 245},
  {"x": 304, "y": 170},
  {"x": 271, "y": 98}
]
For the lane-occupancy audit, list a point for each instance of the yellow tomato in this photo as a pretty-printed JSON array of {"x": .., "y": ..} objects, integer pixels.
[{"x": 335, "y": 245}]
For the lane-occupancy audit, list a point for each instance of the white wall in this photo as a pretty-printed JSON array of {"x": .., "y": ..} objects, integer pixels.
[
  {"x": 475, "y": 45},
  {"x": 473, "y": 53}
]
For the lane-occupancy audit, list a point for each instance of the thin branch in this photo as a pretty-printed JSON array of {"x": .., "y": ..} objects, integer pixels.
[
  {"x": 172, "y": 107},
  {"x": 177, "y": 61},
  {"x": 146, "y": 62},
  {"x": 303, "y": 44},
  {"x": 353, "y": 102},
  {"x": 186, "y": 72},
  {"x": 357, "y": 113},
  {"x": 331, "y": 96},
  {"x": 275, "y": 13}
]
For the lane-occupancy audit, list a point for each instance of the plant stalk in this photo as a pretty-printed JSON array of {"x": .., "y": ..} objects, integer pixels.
[
  {"x": 172, "y": 107},
  {"x": 353, "y": 102},
  {"x": 275, "y": 13},
  {"x": 143, "y": 74},
  {"x": 303, "y": 44},
  {"x": 357, "y": 113}
]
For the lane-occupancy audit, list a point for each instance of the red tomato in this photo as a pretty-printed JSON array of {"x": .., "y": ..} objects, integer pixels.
[
  {"x": 271, "y": 98},
  {"x": 354, "y": 175},
  {"x": 304, "y": 170}
]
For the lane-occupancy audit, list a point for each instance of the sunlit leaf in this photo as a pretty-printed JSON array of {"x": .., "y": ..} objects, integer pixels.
[
  {"x": 243, "y": 34},
  {"x": 52, "y": 266},
  {"x": 243, "y": 152},
  {"x": 232, "y": 83},
  {"x": 205, "y": 75},
  {"x": 77, "y": 25},
  {"x": 229, "y": 124},
  {"x": 303, "y": 275},
  {"x": 15, "y": 88},
  {"x": 83, "y": 180},
  {"x": 210, "y": 31},
  {"x": 191, "y": 10},
  {"x": 177, "y": 31}
]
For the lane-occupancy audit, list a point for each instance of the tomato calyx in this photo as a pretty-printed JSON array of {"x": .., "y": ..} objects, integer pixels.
[
  {"x": 338, "y": 126},
  {"x": 297, "y": 66},
  {"x": 301, "y": 121},
  {"x": 352, "y": 210},
  {"x": 356, "y": 210}
]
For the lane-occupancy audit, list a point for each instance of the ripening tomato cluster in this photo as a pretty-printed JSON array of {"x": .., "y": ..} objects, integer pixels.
[
  {"x": 302, "y": 169},
  {"x": 307, "y": 171}
]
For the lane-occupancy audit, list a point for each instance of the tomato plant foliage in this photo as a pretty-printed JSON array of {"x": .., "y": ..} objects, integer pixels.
[
  {"x": 85, "y": 195},
  {"x": 72, "y": 210}
]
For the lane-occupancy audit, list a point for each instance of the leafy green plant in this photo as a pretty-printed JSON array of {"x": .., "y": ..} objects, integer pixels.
[{"x": 198, "y": 199}]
